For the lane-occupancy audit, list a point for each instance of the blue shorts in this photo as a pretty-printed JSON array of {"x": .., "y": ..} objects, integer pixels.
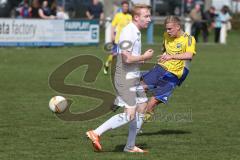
[
  {"x": 114, "y": 48},
  {"x": 162, "y": 83}
]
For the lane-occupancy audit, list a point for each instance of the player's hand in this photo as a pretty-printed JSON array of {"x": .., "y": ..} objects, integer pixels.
[
  {"x": 148, "y": 54},
  {"x": 164, "y": 57},
  {"x": 113, "y": 38},
  {"x": 159, "y": 57}
]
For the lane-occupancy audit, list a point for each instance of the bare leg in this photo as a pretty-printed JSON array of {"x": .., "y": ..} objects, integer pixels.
[{"x": 152, "y": 103}]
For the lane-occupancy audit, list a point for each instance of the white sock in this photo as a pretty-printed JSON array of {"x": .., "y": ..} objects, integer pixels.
[
  {"x": 112, "y": 123},
  {"x": 140, "y": 118},
  {"x": 134, "y": 127},
  {"x": 132, "y": 132}
]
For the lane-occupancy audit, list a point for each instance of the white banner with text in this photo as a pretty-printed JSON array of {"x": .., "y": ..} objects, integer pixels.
[{"x": 38, "y": 32}]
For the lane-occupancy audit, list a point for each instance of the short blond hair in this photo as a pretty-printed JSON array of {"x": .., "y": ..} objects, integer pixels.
[
  {"x": 172, "y": 19},
  {"x": 136, "y": 9}
]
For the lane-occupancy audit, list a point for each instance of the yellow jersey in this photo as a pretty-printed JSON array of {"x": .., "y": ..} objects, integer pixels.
[
  {"x": 120, "y": 20},
  {"x": 172, "y": 46}
]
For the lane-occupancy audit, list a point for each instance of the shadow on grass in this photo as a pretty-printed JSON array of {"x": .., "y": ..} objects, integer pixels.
[
  {"x": 161, "y": 132},
  {"x": 165, "y": 132},
  {"x": 119, "y": 148}
]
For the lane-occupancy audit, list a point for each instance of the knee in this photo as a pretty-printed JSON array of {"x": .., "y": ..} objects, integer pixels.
[
  {"x": 131, "y": 116},
  {"x": 127, "y": 116},
  {"x": 130, "y": 112},
  {"x": 142, "y": 107}
]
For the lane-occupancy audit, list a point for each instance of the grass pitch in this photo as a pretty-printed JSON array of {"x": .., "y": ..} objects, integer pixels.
[{"x": 200, "y": 122}]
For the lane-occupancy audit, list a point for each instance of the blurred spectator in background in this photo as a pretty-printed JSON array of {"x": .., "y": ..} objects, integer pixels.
[
  {"x": 226, "y": 17},
  {"x": 53, "y": 7},
  {"x": 188, "y": 5},
  {"x": 196, "y": 17},
  {"x": 218, "y": 25},
  {"x": 23, "y": 10},
  {"x": 34, "y": 9},
  {"x": 95, "y": 11},
  {"x": 222, "y": 18},
  {"x": 117, "y": 7},
  {"x": 120, "y": 20},
  {"x": 208, "y": 22},
  {"x": 61, "y": 14},
  {"x": 209, "y": 17},
  {"x": 26, "y": 10},
  {"x": 45, "y": 12}
]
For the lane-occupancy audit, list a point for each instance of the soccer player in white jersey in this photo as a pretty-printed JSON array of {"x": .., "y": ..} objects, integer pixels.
[{"x": 127, "y": 79}]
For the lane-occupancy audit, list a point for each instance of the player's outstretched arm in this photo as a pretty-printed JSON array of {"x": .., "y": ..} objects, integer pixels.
[
  {"x": 182, "y": 56},
  {"x": 129, "y": 58},
  {"x": 113, "y": 28}
]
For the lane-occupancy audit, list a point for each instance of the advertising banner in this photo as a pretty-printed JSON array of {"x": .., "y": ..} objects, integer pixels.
[
  {"x": 81, "y": 32},
  {"x": 37, "y": 32}
]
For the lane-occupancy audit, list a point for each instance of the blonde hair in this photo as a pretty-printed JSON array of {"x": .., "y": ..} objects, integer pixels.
[
  {"x": 172, "y": 19},
  {"x": 136, "y": 9}
]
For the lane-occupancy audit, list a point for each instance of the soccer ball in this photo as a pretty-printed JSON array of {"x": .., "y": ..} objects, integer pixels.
[{"x": 58, "y": 104}]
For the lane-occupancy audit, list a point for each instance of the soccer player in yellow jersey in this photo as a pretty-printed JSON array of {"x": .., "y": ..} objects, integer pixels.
[
  {"x": 120, "y": 20},
  {"x": 173, "y": 64}
]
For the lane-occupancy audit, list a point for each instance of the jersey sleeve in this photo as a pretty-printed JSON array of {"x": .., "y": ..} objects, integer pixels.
[
  {"x": 125, "y": 41},
  {"x": 163, "y": 43},
  {"x": 191, "y": 45},
  {"x": 115, "y": 20}
]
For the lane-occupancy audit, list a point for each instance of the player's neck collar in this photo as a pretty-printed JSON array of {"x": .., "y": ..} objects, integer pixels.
[
  {"x": 135, "y": 25},
  {"x": 180, "y": 33}
]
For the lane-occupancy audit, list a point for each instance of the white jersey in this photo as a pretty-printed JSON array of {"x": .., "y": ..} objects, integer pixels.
[
  {"x": 130, "y": 40},
  {"x": 130, "y": 33},
  {"x": 127, "y": 75}
]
